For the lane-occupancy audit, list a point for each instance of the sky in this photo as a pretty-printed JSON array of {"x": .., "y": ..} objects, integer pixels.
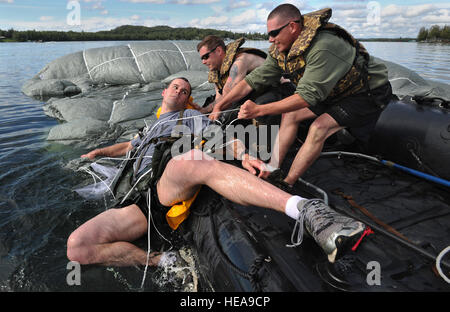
[{"x": 363, "y": 18}]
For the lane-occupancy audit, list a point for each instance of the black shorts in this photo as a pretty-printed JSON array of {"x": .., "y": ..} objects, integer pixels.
[
  {"x": 140, "y": 199},
  {"x": 357, "y": 110}
]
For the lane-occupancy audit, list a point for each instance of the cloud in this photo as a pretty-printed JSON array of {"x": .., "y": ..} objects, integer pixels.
[
  {"x": 6, "y": 1},
  {"x": 144, "y": 1},
  {"x": 46, "y": 18},
  {"x": 182, "y": 2},
  {"x": 395, "y": 20},
  {"x": 188, "y": 2},
  {"x": 233, "y": 4}
]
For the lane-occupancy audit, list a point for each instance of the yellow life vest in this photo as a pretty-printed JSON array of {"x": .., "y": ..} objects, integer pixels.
[
  {"x": 188, "y": 106},
  {"x": 293, "y": 63},
  {"x": 233, "y": 49},
  {"x": 179, "y": 212}
]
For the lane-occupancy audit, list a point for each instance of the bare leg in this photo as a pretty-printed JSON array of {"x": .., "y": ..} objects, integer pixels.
[
  {"x": 105, "y": 239},
  {"x": 323, "y": 127},
  {"x": 184, "y": 175},
  {"x": 287, "y": 134}
]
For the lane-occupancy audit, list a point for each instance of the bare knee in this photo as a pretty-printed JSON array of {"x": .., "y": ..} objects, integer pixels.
[
  {"x": 297, "y": 116},
  {"x": 318, "y": 131},
  {"x": 190, "y": 164}
]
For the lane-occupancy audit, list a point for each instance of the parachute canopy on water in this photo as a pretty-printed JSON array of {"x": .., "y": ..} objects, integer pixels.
[{"x": 109, "y": 93}]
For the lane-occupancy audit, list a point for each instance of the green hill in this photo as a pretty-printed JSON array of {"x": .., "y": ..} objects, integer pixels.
[{"x": 126, "y": 32}]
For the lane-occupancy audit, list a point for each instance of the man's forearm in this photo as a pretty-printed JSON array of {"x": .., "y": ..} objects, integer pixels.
[
  {"x": 289, "y": 104},
  {"x": 238, "y": 92},
  {"x": 118, "y": 149}
]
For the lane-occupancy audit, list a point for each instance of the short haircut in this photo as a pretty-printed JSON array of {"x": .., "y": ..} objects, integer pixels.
[
  {"x": 211, "y": 42},
  {"x": 185, "y": 79},
  {"x": 286, "y": 11}
]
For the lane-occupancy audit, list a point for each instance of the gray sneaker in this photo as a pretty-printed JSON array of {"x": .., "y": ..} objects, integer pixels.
[{"x": 331, "y": 230}]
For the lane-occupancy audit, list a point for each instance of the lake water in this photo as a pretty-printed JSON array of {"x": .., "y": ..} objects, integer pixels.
[{"x": 38, "y": 209}]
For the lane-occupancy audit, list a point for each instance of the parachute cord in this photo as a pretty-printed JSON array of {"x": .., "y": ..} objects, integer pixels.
[
  {"x": 150, "y": 221},
  {"x": 132, "y": 188},
  {"x": 438, "y": 264},
  {"x": 95, "y": 175},
  {"x": 148, "y": 236}
]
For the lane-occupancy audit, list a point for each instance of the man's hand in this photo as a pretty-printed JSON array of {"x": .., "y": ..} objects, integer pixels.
[
  {"x": 249, "y": 110},
  {"x": 264, "y": 173},
  {"x": 250, "y": 163},
  {"x": 92, "y": 154},
  {"x": 215, "y": 113}
]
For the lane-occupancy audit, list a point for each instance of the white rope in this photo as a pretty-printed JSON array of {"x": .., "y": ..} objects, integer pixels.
[
  {"x": 148, "y": 237},
  {"x": 103, "y": 181},
  {"x": 137, "y": 63},
  {"x": 438, "y": 264},
  {"x": 184, "y": 58},
  {"x": 109, "y": 61},
  {"x": 404, "y": 78},
  {"x": 85, "y": 63},
  {"x": 147, "y": 52},
  {"x": 201, "y": 85}
]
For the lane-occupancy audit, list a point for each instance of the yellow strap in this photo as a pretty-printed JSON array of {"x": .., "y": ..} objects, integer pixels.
[
  {"x": 179, "y": 212},
  {"x": 188, "y": 106}
]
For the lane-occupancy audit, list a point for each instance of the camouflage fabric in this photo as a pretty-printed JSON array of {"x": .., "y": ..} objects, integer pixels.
[
  {"x": 233, "y": 49},
  {"x": 293, "y": 64}
]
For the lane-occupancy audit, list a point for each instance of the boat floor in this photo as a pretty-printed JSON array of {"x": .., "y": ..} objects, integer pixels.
[{"x": 417, "y": 209}]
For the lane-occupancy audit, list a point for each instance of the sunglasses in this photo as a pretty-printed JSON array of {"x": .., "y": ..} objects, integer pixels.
[
  {"x": 205, "y": 56},
  {"x": 275, "y": 32}
]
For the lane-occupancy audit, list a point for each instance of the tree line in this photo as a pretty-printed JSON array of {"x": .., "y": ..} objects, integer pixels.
[
  {"x": 126, "y": 32},
  {"x": 434, "y": 33}
]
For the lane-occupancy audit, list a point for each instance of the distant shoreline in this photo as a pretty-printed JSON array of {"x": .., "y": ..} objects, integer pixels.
[
  {"x": 141, "y": 33},
  {"x": 253, "y": 39},
  {"x": 134, "y": 39}
]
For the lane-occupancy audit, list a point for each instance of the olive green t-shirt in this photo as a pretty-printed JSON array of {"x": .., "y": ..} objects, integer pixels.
[{"x": 328, "y": 59}]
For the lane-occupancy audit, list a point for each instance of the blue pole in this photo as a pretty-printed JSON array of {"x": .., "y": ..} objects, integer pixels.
[{"x": 416, "y": 173}]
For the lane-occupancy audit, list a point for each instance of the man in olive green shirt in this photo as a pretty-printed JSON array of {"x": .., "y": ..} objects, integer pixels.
[{"x": 328, "y": 60}]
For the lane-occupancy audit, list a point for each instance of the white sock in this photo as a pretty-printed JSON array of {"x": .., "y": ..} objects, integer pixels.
[{"x": 291, "y": 206}]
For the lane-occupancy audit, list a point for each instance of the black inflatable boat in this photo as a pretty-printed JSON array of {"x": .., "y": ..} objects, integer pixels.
[{"x": 245, "y": 248}]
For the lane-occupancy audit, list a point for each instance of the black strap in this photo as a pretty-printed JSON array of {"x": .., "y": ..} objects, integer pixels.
[{"x": 156, "y": 141}]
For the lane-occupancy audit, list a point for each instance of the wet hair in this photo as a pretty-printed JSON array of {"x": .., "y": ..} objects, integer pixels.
[
  {"x": 211, "y": 42},
  {"x": 286, "y": 11},
  {"x": 185, "y": 79}
]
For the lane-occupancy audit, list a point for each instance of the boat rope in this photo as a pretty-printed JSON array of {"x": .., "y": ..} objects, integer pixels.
[
  {"x": 367, "y": 213},
  {"x": 438, "y": 263}
]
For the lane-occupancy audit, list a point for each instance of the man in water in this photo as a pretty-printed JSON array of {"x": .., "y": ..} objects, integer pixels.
[
  {"x": 107, "y": 238},
  {"x": 337, "y": 83}
]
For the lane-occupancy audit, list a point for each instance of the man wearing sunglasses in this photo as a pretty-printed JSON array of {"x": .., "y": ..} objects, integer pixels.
[
  {"x": 337, "y": 83},
  {"x": 228, "y": 65}
]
